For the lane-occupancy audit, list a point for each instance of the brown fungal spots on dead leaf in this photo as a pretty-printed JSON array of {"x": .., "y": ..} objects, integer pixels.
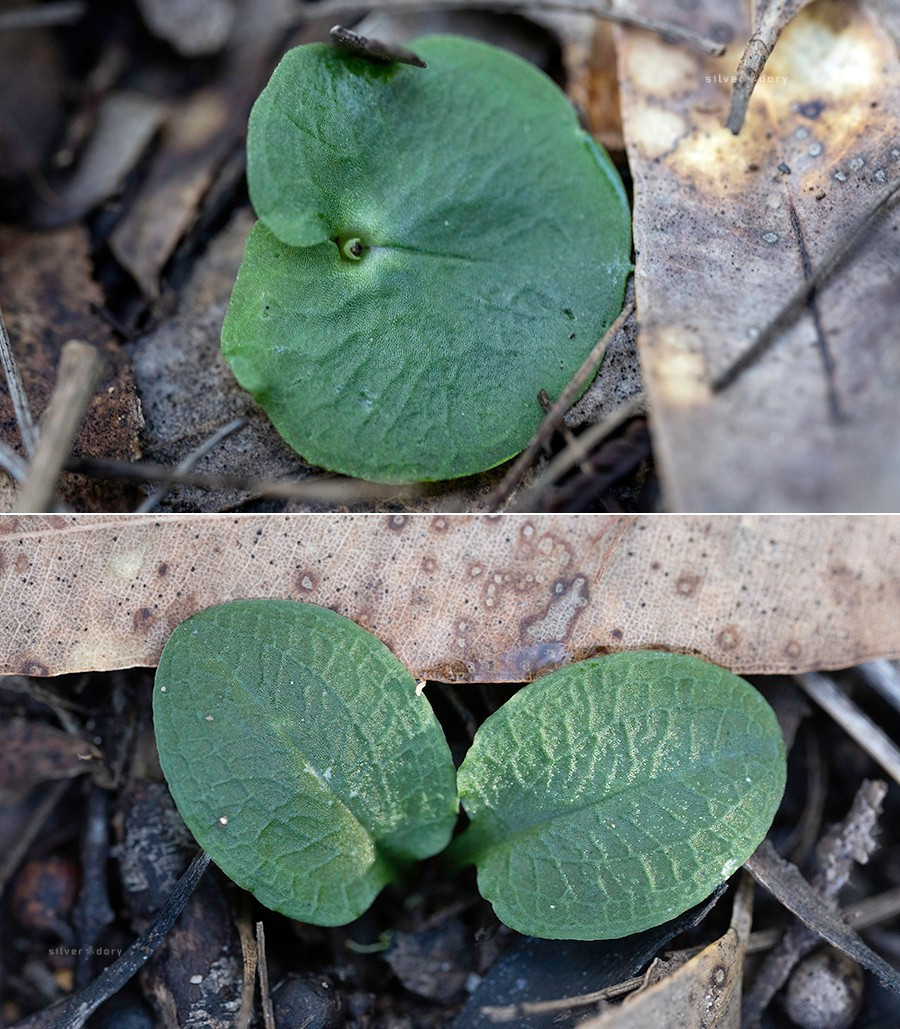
[
  {"x": 86, "y": 578},
  {"x": 305, "y": 582},
  {"x": 162, "y": 569},
  {"x": 728, "y": 638},
  {"x": 34, "y": 668},
  {"x": 686, "y": 584},
  {"x": 793, "y": 649},
  {"x": 569, "y": 597},
  {"x": 396, "y": 522},
  {"x": 811, "y": 109},
  {"x": 718, "y": 978},
  {"x": 438, "y": 525},
  {"x": 142, "y": 619},
  {"x": 429, "y": 565},
  {"x": 21, "y": 564}
]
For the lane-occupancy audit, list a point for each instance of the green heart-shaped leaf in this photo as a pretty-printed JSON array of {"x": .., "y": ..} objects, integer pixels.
[
  {"x": 300, "y": 756},
  {"x": 436, "y": 247},
  {"x": 614, "y": 794}
]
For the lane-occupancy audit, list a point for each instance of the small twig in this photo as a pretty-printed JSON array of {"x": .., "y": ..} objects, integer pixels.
[
  {"x": 884, "y": 677},
  {"x": 268, "y": 1013},
  {"x": 553, "y": 419},
  {"x": 597, "y": 8},
  {"x": 74, "y": 1011},
  {"x": 80, "y": 368},
  {"x": 528, "y": 1009},
  {"x": 797, "y": 302},
  {"x": 572, "y": 455},
  {"x": 844, "y": 845},
  {"x": 191, "y": 460},
  {"x": 17, "y": 394},
  {"x": 19, "y": 846},
  {"x": 324, "y": 489},
  {"x": 43, "y": 15},
  {"x": 93, "y": 912},
  {"x": 771, "y": 17},
  {"x": 874, "y": 741},
  {"x": 12, "y": 464},
  {"x": 250, "y": 954}
]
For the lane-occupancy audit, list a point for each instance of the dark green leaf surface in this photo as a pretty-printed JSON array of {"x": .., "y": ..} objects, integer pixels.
[
  {"x": 300, "y": 756},
  {"x": 494, "y": 243},
  {"x": 616, "y": 793}
]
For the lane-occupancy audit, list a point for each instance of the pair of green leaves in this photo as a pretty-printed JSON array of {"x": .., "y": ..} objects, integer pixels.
[
  {"x": 435, "y": 247},
  {"x": 603, "y": 799}
]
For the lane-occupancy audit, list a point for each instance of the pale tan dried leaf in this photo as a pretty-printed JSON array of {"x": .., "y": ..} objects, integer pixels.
[
  {"x": 126, "y": 122},
  {"x": 726, "y": 229},
  {"x": 469, "y": 598},
  {"x": 705, "y": 991}
]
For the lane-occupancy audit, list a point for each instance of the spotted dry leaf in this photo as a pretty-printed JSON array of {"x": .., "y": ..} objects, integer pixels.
[
  {"x": 727, "y": 228},
  {"x": 469, "y": 598}
]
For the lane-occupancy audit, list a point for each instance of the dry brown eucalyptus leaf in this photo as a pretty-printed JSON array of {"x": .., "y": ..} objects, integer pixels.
[
  {"x": 726, "y": 228},
  {"x": 187, "y": 391},
  {"x": 32, "y": 753},
  {"x": 469, "y": 598}
]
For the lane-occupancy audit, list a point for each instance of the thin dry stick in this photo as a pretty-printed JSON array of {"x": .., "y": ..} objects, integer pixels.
[
  {"x": 848, "y": 843},
  {"x": 842, "y": 251},
  {"x": 827, "y": 694},
  {"x": 18, "y": 396},
  {"x": 19, "y": 847},
  {"x": 268, "y": 1013},
  {"x": 80, "y": 368},
  {"x": 12, "y": 464},
  {"x": 64, "y": 13},
  {"x": 773, "y": 16},
  {"x": 553, "y": 419},
  {"x": 596, "y": 8},
  {"x": 74, "y": 1011},
  {"x": 572, "y": 455},
  {"x": 317, "y": 490},
  {"x": 191, "y": 460},
  {"x": 250, "y": 954},
  {"x": 884, "y": 677},
  {"x": 527, "y": 1009}
]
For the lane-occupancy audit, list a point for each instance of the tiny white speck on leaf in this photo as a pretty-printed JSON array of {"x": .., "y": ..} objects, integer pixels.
[
  {"x": 223, "y": 820},
  {"x": 209, "y": 718},
  {"x": 196, "y": 979},
  {"x": 162, "y": 689}
]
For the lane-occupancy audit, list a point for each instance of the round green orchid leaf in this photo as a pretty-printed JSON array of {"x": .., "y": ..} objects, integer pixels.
[
  {"x": 436, "y": 247},
  {"x": 300, "y": 756},
  {"x": 614, "y": 794}
]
